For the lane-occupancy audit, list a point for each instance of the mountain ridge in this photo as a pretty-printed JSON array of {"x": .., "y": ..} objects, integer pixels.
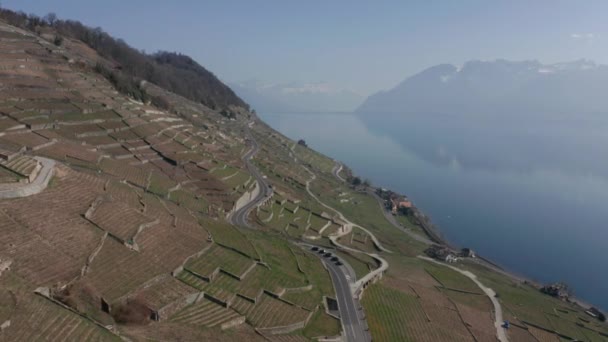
[
  {"x": 297, "y": 97},
  {"x": 496, "y": 87}
]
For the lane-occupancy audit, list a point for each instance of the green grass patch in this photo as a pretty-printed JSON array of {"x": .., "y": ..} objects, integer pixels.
[
  {"x": 396, "y": 316},
  {"x": 188, "y": 200},
  {"x": 360, "y": 265},
  {"x": 230, "y": 236},
  {"x": 217, "y": 256},
  {"x": 277, "y": 253},
  {"x": 452, "y": 279},
  {"x": 160, "y": 184},
  {"x": 322, "y": 324}
]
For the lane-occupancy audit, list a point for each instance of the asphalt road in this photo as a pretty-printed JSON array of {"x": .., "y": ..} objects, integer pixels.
[
  {"x": 353, "y": 324},
  {"x": 239, "y": 217},
  {"x": 348, "y": 306},
  {"x": 351, "y": 312}
]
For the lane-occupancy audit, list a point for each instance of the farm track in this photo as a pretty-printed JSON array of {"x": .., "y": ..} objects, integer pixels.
[{"x": 501, "y": 333}]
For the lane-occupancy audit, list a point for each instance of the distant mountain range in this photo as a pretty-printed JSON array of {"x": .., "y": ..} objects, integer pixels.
[
  {"x": 297, "y": 97},
  {"x": 497, "y": 87}
]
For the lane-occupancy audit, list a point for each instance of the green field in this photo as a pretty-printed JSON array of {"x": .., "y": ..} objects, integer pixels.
[
  {"x": 361, "y": 264},
  {"x": 160, "y": 184},
  {"x": 230, "y": 236},
  {"x": 451, "y": 279},
  {"x": 322, "y": 324},
  {"x": 395, "y": 316}
]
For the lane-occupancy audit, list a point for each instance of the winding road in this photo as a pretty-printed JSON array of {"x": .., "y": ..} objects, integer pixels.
[
  {"x": 336, "y": 171},
  {"x": 239, "y": 216},
  {"x": 498, "y": 316},
  {"x": 346, "y": 288},
  {"x": 349, "y": 308},
  {"x": 353, "y": 324}
]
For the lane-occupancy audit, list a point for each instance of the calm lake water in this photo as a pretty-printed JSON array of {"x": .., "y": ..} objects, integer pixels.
[{"x": 507, "y": 197}]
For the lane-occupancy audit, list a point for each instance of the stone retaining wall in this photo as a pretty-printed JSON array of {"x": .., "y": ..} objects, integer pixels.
[{"x": 35, "y": 187}]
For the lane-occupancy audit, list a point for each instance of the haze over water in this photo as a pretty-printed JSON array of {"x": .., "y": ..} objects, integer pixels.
[{"x": 522, "y": 208}]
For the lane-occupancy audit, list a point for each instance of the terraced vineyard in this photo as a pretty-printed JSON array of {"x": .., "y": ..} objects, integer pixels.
[
  {"x": 205, "y": 313},
  {"x": 395, "y": 316},
  {"x": 220, "y": 257},
  {"x": 131, "y": 229},
  {"x": 231, "y": 237},
  {"x": 37, "y": 317},
  {"x": 452, "y": 280},
  {"x": 271, "y": 312}
]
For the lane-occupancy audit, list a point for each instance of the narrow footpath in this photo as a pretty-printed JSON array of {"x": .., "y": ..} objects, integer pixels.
[{"x": 501, "y": 333}]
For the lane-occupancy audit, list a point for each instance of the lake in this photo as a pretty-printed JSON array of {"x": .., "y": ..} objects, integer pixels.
[{"x": 522, "y": 200}]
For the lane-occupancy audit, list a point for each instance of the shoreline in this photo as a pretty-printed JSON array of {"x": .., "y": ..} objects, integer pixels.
[
  {"x": 434, "y": 234},
  {"x": 483, "y": 261}
]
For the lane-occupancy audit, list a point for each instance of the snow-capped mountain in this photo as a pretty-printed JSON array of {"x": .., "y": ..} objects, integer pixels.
[
  {"x": 297, "y": 97},
  {"x": 498, "y": 87}
]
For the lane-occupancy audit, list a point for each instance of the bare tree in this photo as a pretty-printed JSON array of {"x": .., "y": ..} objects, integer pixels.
[{"x": 51, "y": 19}]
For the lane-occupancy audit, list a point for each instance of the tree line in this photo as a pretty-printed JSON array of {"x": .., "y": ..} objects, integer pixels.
[{"x": 172, "y": 71}]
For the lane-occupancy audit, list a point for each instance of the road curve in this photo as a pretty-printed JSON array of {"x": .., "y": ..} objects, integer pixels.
[
  {"x": 354, "y": 327},
  {"x": 348, "y": 225},
  {"x": 336, "y": 171},
  {"x": 349, "y": 308},
  {"x": 239, "y": 217},
  {"x": 36, "y": 186},
  {"x": 346, "y": 289},
  {"x": 498, "y": 318}
]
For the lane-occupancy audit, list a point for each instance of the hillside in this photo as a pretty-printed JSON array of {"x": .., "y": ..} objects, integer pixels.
[
  {"x": 174, "y": 72},
  {"x": 116, "y": 222},
  {"x": 517, "y": 89}
]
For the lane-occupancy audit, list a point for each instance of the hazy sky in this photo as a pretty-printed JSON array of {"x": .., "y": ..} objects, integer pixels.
[{"x": 365, "y": 46}]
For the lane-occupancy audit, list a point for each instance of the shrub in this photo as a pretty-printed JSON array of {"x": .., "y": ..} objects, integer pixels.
[
  {"x": 133, "y": 311},
  {"x": 58, "y": 40}
]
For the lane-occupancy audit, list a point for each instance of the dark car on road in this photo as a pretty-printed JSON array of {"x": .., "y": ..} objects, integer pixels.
[
  {"x": 334, "y": 258},
  {"x": 327, "y": 255},
  {"x": 314, "y": 248},
  {"x": 339, "y": 263}
]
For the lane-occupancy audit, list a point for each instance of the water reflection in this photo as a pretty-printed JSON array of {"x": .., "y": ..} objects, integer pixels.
[{"x": 533, "y": 210}]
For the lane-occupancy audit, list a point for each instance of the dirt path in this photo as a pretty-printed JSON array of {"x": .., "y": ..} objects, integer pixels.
[
  {"x": 498, "y": 319},
  {"x": 348, "y": 225},
  {"x": 336, "y": 171},
  {"x": 36, "y": 186}
]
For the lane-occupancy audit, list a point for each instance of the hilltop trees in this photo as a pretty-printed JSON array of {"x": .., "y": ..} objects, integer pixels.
[
  {"x": 50, "y": 18},
  {"x": 174, "y": 72}
]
